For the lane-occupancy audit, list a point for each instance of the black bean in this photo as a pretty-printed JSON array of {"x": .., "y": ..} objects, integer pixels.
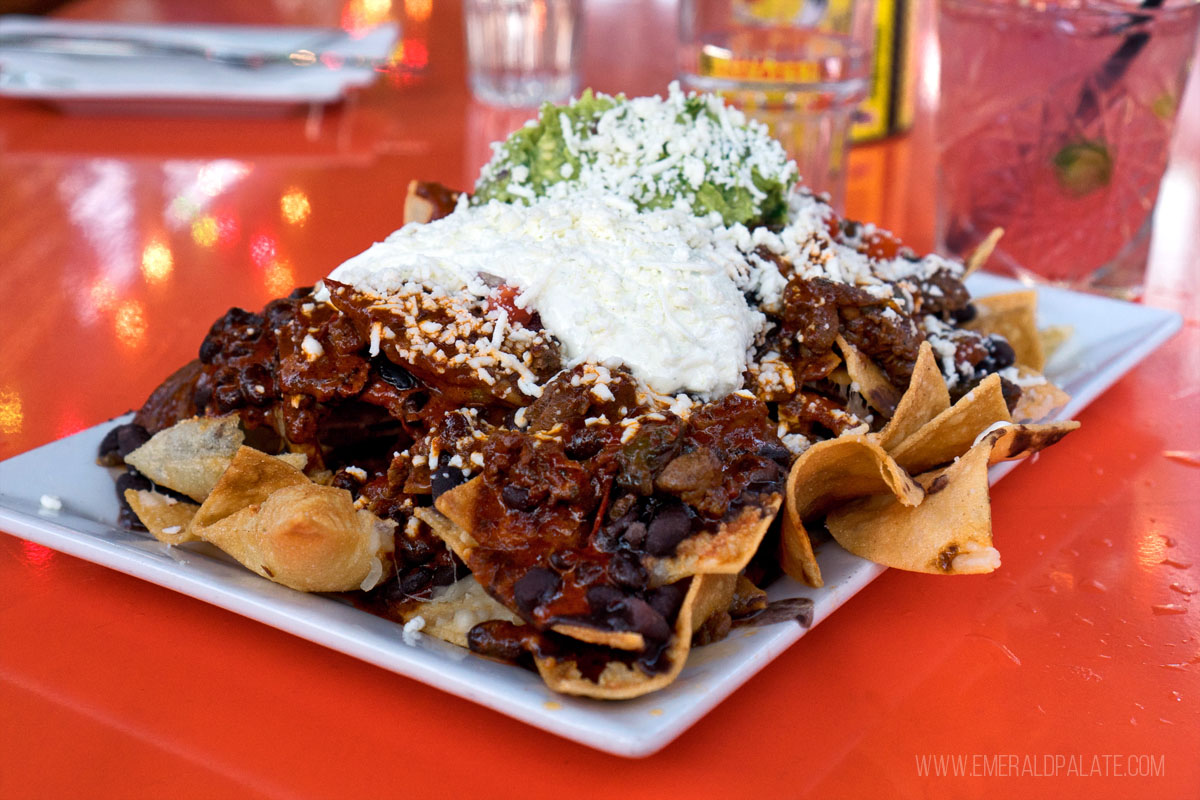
[
  {"x": 965, "y": 314},
  {"x": 583, "y": 445},
  {"x": 666, "y": 600},
  {"x": 668, "y": 529},
  {"x": 765, "y": 476},
  {"x": 776, "y": 452},
  {"x": 108, "y": 445},
  {"x": 534, "y": 588},
  {"x": 396, "y": 375},
  {"x": 240, "y": 316},
  {"x": 445, "y": 574},
  {"x": 277, "y": 314},
  {"x": 228, "y": 397},
  {"x": 496, "y": 639},
  {"x": 203, "y": 394},
  {"x": 443, "y": 479},
  {"x": 257, "y": 384},
  {"x": 133, "y": 480},
  {"x": 621, "y": 506},
  {"x": 635, "y": 534},
  {"x": 517, "y": 497},
  {"x": 1000, "y": 352},
  {"x": 588, "y": 573},
  {"x": 607, "y": 539},
  {"x": 210, "y": 348},
  {"x": 415, "y": 550},
  {"x": 416, "y": 581},
  {"x": 130, "y": 437},
  {"x": 604, "y": 599},
  {"x": 642, "y": 617},
  {"x": 563, "y": 560},
  {"x": 1011, "y": 393},
  {"x": 626, "y": 570}
]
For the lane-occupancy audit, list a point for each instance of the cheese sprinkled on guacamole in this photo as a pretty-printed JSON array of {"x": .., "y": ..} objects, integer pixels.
[{"x": 687, "y": 149}]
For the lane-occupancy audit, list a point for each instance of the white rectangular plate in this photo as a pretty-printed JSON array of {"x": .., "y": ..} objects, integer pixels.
[
  {"x": 1110, "y": 337},
  {"x": 183, "y": 82}
]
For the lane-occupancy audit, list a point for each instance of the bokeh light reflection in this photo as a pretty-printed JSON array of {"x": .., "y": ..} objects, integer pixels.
[
  {"x": 228, "y": 229},
  {"x": 130, "y": 324},
  {"x": 157, "y": 261},
  {"x": 12, "y": 418},
  {"x": 263, "y": 248},
  {"x": 279, "y": 278},
  {"x": 205, "y": 231},
  {"x": 295, "y": 207},
  {"x": 1151, "y": 550},
  {"x": 418, "y": 10},
  {"x": 103, "y": 295},
  {"x": 359, "y": 16},
  {"x": 415, "y": 55}
]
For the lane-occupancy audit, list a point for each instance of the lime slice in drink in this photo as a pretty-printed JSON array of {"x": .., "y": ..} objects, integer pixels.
[{"x": 1083, "y": 167}]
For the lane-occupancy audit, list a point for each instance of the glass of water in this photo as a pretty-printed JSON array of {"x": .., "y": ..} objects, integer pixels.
[
  {"x": 799, "y": 66},
  {"x": 523, "y": 52}
]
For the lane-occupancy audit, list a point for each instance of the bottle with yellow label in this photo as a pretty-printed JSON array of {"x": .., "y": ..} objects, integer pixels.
[
  {"x": 802, "y": 67},
  {"x": 888, "y": 105}
]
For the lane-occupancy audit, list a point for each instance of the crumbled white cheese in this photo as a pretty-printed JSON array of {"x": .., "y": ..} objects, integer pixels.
[
  {"x": 51, "y": 502},
  {"x": 659, "y": 291},
  {"x": 311, "y": 348},
  {"x": 411, "y": 633}
]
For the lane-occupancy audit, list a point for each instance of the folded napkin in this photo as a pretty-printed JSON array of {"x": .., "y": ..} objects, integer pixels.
[{"x": 69, "y": 60}]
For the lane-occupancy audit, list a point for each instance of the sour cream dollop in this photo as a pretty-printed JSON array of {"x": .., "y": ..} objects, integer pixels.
[{"x": 661, "y": 291}]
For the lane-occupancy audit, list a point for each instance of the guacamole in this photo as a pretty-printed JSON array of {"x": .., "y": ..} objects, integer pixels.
[{"x": 653, "y": 152}]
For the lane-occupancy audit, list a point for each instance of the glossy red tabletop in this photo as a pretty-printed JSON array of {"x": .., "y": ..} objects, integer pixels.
[{"x": 122, "y": 239}]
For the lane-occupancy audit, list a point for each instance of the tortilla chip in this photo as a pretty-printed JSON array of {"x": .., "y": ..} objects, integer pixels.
[
  {"x": 953, "y": 522},
  {"x": 925, "y": 398},
  {"x": 707, "y": 594},
  {"x": 1013, "y": 316},
  {"x": 829, "y": 473},
  {"x": 1038, "y": 400},
  {"x": 190, "y": 456},
  {"x": 727, "y": 550},
  {"x": 416, "y": 208},
  {"x": 450, "y": 530},
  {"x": 950, "y": 532},
  {"x": 453, "y": 610},
  {"x": 982, "y": 252},
  {"x": 307, "y": 537},
  {"x": 166, "y": 518},
  {"x": 296, "y": 461},
  {"x": 873, "y": 384},
  {"x": 249, "y": 479},
  {"x": 1054, "y": 337},
  {"x": 1017, "y": 441},
  {"x": 796, "y": 556},
  {"x": 617, "y": 640},
  {"x": 951, "y": 433}
]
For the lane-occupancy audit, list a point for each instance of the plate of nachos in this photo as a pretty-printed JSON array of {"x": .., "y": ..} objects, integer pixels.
[{"x": 594, "y": 442}]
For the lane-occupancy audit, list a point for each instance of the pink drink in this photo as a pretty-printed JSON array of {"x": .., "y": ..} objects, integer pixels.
[{"x": 1054, "y": 124}]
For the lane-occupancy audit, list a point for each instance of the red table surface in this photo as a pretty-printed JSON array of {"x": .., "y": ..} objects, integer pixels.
[{"x": 121, "y": 239}]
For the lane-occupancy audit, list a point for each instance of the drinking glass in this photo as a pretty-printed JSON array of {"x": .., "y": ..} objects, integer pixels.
[
  {"x": 799, "y": 66},
  {"x": 1054, "y": 124},
  {"x": 522, "y": 53}
]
